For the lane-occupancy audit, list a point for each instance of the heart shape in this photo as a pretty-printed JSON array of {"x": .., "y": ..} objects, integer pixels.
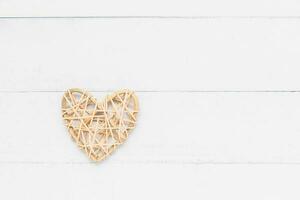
[{"x": 99, "y": 127}]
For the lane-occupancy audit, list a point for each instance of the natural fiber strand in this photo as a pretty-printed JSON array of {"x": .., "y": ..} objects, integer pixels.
[{"x": 99, "y": 127}]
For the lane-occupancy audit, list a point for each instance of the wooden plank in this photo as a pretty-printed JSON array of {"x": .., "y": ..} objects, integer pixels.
[
  {"x": 150, "y": 181},
  {"x": 172, "y": 128},
  {"x": 147, "y": 54},
  {"x": 149, "y": 8}
]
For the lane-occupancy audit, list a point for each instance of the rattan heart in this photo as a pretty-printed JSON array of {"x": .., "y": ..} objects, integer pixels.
[{"x": 99, "y": 127}]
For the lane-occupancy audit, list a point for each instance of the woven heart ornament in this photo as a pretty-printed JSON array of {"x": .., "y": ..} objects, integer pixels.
[{"x": 99, "y": 127}]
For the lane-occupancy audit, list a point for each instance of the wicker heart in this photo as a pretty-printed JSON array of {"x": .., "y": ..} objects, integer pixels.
[{"x": 99, "y": 127}]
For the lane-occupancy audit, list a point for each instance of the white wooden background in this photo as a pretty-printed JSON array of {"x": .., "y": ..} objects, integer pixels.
[{"x": 218, "y": 83}]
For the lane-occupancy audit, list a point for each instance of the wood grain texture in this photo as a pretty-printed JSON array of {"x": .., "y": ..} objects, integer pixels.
[
  {"x": 201, "y": 132},
  {"x": 149, "y": 8},
  {"x": 172, "y": 128},
  {"x": 77, "y": 182},
  {"x": 167, "y": 54}
]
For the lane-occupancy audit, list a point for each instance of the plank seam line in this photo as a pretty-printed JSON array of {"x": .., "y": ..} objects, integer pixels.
[
  {"x": 163, "y": 162},
  {"x": 149, "y": 17},
  {"x": 162, "y": 91}
]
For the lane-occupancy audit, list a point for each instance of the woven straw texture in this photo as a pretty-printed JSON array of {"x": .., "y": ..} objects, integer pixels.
[{"x": 99, "y": 127}]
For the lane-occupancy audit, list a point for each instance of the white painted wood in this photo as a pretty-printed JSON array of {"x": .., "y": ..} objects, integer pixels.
[
  {"x": 172, "y": 128},
  {"x": 147, "y": 54},
  {"x": 188, "y": 144},
  {"x": 116, "y": 182},
  {"x": 149, "y": 8}
]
